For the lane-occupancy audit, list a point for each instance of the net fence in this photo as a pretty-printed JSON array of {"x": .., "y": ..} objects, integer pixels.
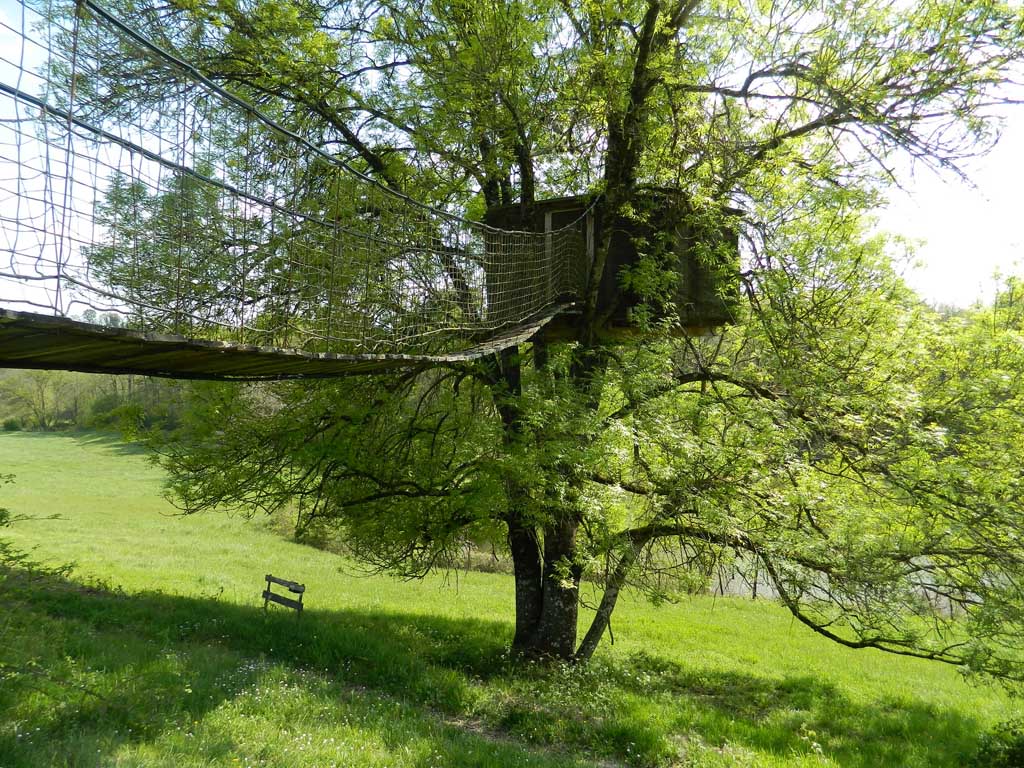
[{"x": 135, "y": 192}]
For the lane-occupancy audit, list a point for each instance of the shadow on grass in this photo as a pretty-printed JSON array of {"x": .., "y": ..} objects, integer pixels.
[
  {"x": 96, "y": 671},
  {"x": 802, "y": 715},
  {"x": 112, "y": 442}
]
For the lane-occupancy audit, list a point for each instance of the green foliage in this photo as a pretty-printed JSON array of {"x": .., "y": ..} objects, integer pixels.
[
  {"x": 59, "y": 400},
  {"x": 5, "y": 514},
  {"x": 844, "y": 435},
  {"x": 154, "y": 257},
  {"x": 1001, "y": 746},
  {"x": 14, "y": 559},
  {"x": 359, "y": 471},
  {"x": 859, "y": 451},
  {"x": 41, "y": 400}
]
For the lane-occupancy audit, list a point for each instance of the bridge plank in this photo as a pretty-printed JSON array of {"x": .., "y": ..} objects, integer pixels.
[{"x": 29, "y": 340}]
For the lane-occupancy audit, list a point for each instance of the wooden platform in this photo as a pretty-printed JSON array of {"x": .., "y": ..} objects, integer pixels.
[{"x": 29, "y": 340}]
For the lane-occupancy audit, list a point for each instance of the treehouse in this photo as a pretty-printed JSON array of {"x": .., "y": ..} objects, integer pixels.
[{"x": 664, "y": 232}]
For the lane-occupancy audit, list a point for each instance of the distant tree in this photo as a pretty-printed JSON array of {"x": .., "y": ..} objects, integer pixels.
[
  {"x": 108, "y": 319},
  {"x": 41, "y": 395},
  {"x": 48, "y": 400},
  {"x": 171, "y": 255}
]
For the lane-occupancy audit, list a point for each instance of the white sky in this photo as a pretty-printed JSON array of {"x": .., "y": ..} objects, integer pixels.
[{"x": 968, "y": 234}]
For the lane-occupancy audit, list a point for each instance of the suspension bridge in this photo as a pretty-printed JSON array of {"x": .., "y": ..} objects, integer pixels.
[{"x": 153, "y": 222}]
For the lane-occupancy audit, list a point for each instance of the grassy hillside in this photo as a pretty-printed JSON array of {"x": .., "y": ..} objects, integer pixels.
[{"x": 156, "y": 651}]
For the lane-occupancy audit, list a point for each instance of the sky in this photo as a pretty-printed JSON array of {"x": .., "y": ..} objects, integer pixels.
[{"x": 967, "y": 234}]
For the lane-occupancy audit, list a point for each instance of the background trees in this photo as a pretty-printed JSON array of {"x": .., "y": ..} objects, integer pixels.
[
  {"x": 42, "y": 397},
  {"x": 174, "y": 253},
  {"x": 53, "y": 400},
  {"x": 814, "y": 436}
]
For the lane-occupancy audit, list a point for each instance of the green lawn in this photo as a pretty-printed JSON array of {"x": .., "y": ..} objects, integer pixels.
[{"x": 156, "y": 652}]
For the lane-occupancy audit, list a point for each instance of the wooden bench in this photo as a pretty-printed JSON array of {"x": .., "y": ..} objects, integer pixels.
[{"x": 294, "y": 587}]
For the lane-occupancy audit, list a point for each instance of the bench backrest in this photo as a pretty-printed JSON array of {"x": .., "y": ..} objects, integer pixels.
[{"x": 292, "y": 586}]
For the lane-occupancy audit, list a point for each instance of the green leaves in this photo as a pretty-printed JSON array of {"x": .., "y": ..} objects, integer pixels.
[{"x": 859, "y": 449}]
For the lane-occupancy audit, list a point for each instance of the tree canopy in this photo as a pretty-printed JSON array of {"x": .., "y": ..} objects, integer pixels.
[{"x": 852, "y": 445}]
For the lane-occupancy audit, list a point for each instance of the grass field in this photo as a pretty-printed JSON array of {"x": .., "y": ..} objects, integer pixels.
[{"x": 155, "y": 651}]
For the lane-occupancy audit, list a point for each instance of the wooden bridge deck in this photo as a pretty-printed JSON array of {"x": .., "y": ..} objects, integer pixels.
[{"x": 29, "y": 340}]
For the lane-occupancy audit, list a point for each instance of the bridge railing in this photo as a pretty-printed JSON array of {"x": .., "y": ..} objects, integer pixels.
[{"x": 135, "y": 191}]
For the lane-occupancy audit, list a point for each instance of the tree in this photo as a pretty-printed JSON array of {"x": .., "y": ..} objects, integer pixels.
[
  {"x": 46, "y": 397},
  {"x": 172, "y": 255},
  {"x": 806, "y": 436}
]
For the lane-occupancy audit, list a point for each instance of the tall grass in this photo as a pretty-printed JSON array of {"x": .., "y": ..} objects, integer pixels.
[{"x": 156, "y": 652}]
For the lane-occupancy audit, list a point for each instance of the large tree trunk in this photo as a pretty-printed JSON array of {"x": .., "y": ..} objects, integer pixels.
[
  {"x": 556, "y": 632},
  {"x": 523, "y": 541},
  {"x": 547, "y": 591},
  {"x": 529, "y": 586}
]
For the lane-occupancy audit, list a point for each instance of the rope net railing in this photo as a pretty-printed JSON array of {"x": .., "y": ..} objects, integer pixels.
[{"x": 135, "y": 192}]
